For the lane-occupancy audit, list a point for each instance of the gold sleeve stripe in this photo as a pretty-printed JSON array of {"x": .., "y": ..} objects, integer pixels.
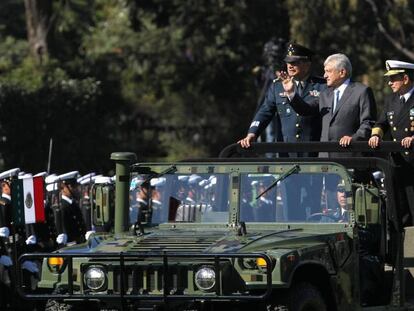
[{"x": 377, "y": 131}]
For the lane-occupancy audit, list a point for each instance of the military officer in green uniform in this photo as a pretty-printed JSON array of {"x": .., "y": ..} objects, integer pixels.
[{"x": 398, "y": 119}]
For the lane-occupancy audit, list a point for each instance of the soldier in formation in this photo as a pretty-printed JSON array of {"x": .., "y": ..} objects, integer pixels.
[{"x": 68, "y": 216}]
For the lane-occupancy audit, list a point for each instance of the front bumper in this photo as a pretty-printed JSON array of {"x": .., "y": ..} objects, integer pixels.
[{"x": 161, "y": 278}]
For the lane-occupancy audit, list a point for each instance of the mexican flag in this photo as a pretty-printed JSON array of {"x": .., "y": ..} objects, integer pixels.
[{"x": 28, "y": 200}]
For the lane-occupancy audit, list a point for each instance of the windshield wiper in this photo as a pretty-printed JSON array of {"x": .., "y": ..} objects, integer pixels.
[
  {"x": 292, "y": 170},
  {"x": 170, "y": 170}
]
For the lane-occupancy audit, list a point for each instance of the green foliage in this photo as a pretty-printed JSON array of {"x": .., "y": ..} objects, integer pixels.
[{"x": 166, "y": 79}]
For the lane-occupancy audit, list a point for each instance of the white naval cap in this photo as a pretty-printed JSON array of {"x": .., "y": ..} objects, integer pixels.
[
  {"x": 51, "y": 178},
  {"x": 158, "y": 182},
  {"x": 9, "y": 173},
  {"x": 194, "y": 179},
  {"x": 396, "y": 67},
  {"x": 103, "y": 180},
  {"x": 183, "y": 178},
  {"x": 86, "y": 179},
  {"x": 70, "y": 177},
  {"x": 51, "y": 184},
  {"x": 25, "y": 175},
  {"x": 41, "y": 174}
]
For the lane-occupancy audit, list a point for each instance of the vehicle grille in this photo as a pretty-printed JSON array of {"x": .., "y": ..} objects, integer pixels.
[{"x": 150, "y": 280}]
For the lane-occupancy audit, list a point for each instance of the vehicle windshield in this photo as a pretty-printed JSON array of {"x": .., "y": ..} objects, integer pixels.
[
  {"x": 200, "y": 198},
  {"x": 300, "y": 197}
]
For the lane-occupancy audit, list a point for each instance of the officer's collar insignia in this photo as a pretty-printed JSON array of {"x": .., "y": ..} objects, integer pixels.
[
  {"x": 411, "y": 112},
  {"x": 314, "y": 93},
  {"x": 390, "y": 113},
  {"x": 283, "y": 94}
]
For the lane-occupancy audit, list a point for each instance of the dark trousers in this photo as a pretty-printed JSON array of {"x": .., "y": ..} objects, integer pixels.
[{"x": 405, "y": 185}]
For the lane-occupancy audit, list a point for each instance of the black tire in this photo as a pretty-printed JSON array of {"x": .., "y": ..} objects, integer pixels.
[
  {"x": 54, "y": 305},
  {"x": 306, "y": 297}
]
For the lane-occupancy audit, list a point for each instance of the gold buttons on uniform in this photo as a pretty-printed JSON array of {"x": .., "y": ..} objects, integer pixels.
[
  {"x": 395, "y": 139},
  {"x": 394, "y": 128},
  {"x": 407, "y": 153},
  {"x": 297, "y": 135},
  {"x": 297, "y": 124},
  {"x": 406, "y": 129}
]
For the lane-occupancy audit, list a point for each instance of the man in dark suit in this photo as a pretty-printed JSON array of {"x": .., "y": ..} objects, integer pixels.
[
  {"x": 398, "y": 119},
  {"x": 347, "y": 108},
  {"x": 293, "y": 127}
]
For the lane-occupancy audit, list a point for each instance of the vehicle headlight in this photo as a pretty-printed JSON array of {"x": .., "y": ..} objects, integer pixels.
[
  {"x": 95, "y": 278},
  {"x": 205, "y": 278}
]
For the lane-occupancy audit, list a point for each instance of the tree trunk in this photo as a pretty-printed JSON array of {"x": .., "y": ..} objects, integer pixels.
[{"x": 38, "y": 15}]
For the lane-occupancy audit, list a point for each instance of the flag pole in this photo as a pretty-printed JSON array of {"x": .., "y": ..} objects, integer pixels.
[{"x": 49, "y": 160}]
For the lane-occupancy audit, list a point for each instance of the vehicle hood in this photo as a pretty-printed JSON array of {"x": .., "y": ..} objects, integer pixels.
[{"x": 217, "y": 241}]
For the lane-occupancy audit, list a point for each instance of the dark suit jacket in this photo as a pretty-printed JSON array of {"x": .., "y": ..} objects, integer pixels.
[
  {"x": 354, "y": 115},
  {"x": 398, "y": 120}
]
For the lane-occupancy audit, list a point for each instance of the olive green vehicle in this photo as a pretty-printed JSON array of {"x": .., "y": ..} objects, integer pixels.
[{"x": 240, "y": 233}]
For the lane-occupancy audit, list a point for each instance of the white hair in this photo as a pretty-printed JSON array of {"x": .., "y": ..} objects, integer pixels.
[{"x": 340, "y": 61}]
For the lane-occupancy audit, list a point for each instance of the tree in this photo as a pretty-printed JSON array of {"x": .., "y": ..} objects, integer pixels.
[{"x": 38, "y": 21}]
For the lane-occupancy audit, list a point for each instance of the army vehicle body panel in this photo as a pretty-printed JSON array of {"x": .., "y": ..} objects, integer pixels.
[{"x": 216, "y": 249}]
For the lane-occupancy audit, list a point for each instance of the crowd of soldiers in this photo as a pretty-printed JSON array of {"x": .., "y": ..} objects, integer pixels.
[{"x": 67, "y": 220}]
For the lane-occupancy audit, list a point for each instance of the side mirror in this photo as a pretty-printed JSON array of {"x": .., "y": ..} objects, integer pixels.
[{"x": 367, "y": 205}]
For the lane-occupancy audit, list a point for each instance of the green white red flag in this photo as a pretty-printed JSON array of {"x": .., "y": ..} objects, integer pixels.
[{"x": 28, "y": 200}]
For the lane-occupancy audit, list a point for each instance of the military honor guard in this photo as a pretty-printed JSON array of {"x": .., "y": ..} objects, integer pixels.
[
  {"x": 85, "y": 182},
  {"x": 16, "y": 239},
  {"x": 6, "y": 230},
  {"x": 68, "y": 216},
  {"x": 397, "y": 119}
]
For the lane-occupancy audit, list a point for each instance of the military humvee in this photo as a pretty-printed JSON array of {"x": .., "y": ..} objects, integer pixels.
[{"x": 242, "y": 232}]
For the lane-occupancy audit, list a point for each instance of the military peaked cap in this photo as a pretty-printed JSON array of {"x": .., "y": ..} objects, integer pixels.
[
  {"x": 9, "y": 174},
  {"x": 69, "y": 178},
  {"x": 296, "y": 52},
  {"x": 395, "y": 67}
]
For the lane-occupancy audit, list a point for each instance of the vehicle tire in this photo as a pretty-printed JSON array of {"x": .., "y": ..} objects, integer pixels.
[
  {"x": 54, "y": 305},
  {"x": 306, "y": 297}
]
